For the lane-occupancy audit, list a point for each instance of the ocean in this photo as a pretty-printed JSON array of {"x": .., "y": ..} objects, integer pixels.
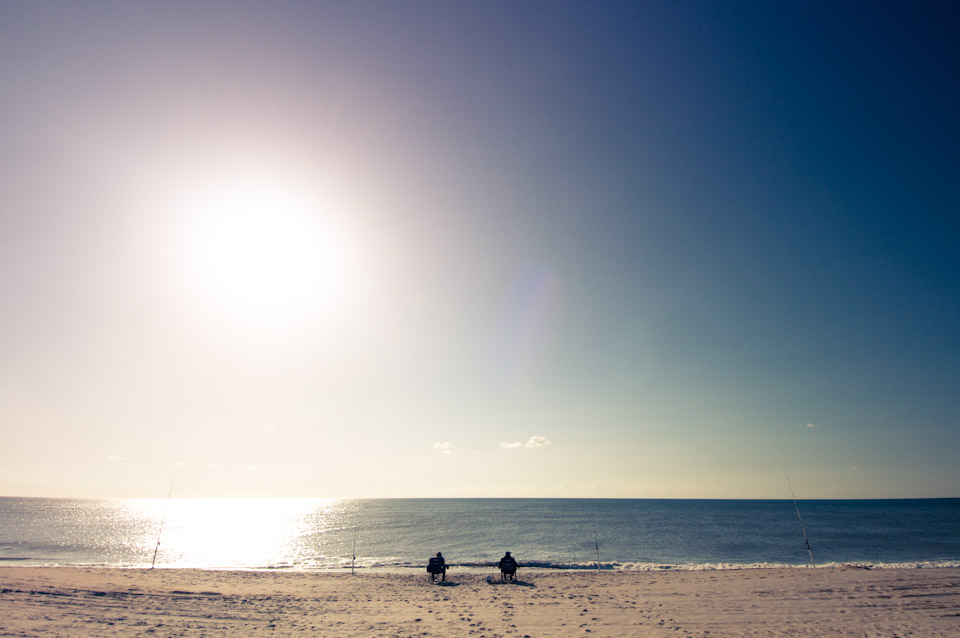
[{"x": 400, "y": 534}]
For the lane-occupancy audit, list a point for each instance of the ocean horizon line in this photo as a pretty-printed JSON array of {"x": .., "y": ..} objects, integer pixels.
[{"x": 496, "y": 498}]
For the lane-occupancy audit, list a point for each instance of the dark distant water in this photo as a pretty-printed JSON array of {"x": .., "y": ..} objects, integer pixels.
[{"x": 474, "y": 533}]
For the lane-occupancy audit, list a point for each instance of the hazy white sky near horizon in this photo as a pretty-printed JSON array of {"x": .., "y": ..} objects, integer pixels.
[{"x": 375, "y": 249}]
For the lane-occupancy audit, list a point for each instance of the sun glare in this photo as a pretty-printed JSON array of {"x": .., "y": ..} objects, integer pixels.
[{"x": 261, "y": 249}]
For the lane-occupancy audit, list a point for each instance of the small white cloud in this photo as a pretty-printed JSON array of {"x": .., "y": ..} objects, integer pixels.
[
  {"x": 114, "y": 457},
  {"x": 179, "y": 464},
  {"x": 214, "y": 466},
  {"x": 537, "y": 441},
  {"x": 446, "y": 447},
  {"x": 811, "y": 426},
  {"x": 255, "y": 468}
]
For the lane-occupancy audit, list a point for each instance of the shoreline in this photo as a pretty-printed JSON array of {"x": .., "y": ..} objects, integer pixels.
[
  {"x": 825, "y": 601},
  {"x": 646, "y": 568}
]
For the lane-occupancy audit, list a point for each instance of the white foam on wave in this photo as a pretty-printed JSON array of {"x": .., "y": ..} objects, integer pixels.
[
  {"x": 665, "y": 567},
  {"x": 672, "y": 567}
]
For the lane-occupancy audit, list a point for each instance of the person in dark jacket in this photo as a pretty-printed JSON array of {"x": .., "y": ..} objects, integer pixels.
[
  {"x": 508, "y": 567},
  {"x": 437, "y": 566}
]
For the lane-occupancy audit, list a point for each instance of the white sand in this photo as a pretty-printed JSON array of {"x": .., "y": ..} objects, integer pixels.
[{"x": 59, "y": 601}]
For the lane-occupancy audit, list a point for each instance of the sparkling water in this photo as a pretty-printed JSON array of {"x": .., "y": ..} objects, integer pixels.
[{"x": 473, "y": 533}]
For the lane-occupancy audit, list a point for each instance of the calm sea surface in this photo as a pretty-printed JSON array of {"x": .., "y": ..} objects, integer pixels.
[{"x": 473, "y": 533}]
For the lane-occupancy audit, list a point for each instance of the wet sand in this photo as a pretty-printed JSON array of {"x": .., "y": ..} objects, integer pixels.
[{"x": 62, "y": 601}]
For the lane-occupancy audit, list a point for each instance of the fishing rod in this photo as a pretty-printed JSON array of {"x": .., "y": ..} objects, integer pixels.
[
  {"x": 806, "y": 541},
  {"x": 164, "y": 519},
  {"x": 356, "y": 531},
  {"x": 596, "y": 543}
]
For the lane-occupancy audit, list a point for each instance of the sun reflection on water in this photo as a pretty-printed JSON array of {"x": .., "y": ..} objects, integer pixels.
[{"x": 245, "y": 532}]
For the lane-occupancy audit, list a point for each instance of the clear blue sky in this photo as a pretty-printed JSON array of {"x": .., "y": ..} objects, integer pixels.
[{"x": 645, "y": 249}]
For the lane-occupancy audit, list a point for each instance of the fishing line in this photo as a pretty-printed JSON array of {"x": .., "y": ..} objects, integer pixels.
[{"x": 806, "y": 541}]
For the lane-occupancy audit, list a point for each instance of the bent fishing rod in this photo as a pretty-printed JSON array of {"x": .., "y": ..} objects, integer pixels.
[
  {"x": 803, "y": 530},
  {"x": 164, "y": 519}
]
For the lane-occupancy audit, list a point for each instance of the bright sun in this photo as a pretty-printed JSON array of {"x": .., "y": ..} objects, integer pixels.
[{"x": 263, "y": 250}]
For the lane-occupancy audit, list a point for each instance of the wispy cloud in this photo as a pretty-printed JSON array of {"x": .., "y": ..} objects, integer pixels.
[
  {"x": 535, "y": 441},
  {"x": 114, "y": 457},
  {"x": 256, "y": 468},
  {"x": 445, "y": 447},
  {"x": 811, "y": 426}
]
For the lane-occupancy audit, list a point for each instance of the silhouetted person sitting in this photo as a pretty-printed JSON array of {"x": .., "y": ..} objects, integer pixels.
[
  {"x": 508, "y": 567},
  {"x": 437, "y": 566}
]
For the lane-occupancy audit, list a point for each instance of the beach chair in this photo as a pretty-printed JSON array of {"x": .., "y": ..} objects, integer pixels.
[
  {"x": 508, "y": 568},
  {"x": 436, "y": 567}
]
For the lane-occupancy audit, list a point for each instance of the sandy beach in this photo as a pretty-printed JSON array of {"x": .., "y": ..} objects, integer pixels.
[{"x": 838, "y": 601}]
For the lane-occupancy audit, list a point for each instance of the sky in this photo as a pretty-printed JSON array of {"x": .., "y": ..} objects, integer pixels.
[{"x": 479, "y": 249}]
